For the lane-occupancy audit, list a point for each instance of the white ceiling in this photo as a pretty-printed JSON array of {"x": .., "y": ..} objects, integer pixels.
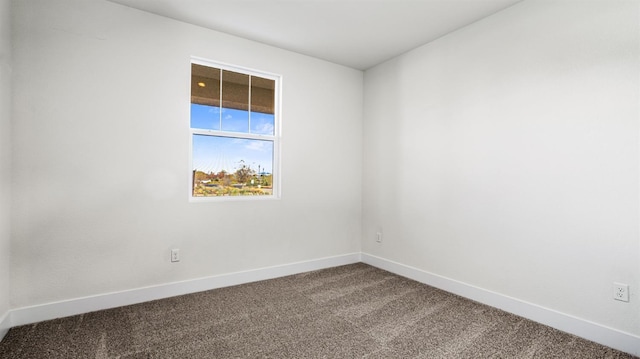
[{"x": 354, "y": 33}]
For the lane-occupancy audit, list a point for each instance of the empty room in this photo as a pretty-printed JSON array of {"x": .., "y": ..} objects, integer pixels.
[{"x": 319, "y": 179}]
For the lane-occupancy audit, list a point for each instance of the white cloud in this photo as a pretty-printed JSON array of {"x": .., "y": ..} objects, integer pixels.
[
  {"x": 265, "y": 128},
  {"x": 256, "y": 145}
]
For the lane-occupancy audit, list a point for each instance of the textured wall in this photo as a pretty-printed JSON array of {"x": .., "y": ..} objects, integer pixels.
[
  {"x": 102, "y": 156},
  {"x": 505, "y": 156}
]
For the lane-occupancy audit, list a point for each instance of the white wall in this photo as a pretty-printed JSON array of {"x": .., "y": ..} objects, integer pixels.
[
  {"x": 101, "y": 156},
  {"x": 5, "y": 159},
  {"x": 505, "y": 156}
]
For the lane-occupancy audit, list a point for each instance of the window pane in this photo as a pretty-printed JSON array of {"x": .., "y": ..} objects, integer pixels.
[
  {"x": 205, "y": 85},
  {"x": 224, "y": 166},
  {"x": 262, "y": 123},
  {"x": 235, "y": 101},
  {"x": 262, "y": 95},
  {"x": 205, "y": 117},
  {"x": 235, "y": 120},
  {"x": 262, "y": 105}
]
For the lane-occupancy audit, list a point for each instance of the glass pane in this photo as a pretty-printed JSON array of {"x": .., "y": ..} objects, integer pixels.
[
  {"x": 262, "y": 123},
  {"x": 262, "y": 105},
  {"x": 235, "y": 101},
  {"x": 262, "y": 95},
  {"x": 235, "y": 120},
  {"x": 205, "y": 85},
  {"x": 224, "y": 166},
  {"x": 205, "y": 117}
]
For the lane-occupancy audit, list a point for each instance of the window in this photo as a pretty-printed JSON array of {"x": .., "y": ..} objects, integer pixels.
[{"x": 234, "y": 126}]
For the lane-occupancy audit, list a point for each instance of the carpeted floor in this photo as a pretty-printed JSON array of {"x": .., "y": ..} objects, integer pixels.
[{"x": 353, "y": 311}]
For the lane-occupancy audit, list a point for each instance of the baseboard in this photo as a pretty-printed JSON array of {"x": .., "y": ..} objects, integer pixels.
[
  {"x": 610, "y": 337},
  {"x": 5, "y": 324},
  {"x": 38, "y": 313}
]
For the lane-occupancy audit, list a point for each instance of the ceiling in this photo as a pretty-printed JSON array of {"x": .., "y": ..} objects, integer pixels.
[{"x": 354, "y": 33}]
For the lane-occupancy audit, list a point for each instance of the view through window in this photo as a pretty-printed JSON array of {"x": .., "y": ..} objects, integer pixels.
[{"x": 234, "y": 134}]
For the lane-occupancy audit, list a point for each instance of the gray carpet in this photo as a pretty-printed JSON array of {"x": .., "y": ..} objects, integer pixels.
[{"x": 353, "y": 311}]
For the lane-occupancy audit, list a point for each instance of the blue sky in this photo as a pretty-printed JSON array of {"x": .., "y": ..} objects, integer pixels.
[
  {"x": 208, "y": 118},
  {"x": 213, "y": 153}
]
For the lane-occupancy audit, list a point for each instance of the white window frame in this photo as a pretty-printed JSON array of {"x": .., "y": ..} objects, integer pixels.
[{"x": 275, "y": 138}]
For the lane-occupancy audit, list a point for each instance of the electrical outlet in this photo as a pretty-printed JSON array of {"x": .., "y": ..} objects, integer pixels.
[
  {"x": 621, "y": 292},
  {"x": 175, "y": 255},
  {"x": 379, "y": 237}
]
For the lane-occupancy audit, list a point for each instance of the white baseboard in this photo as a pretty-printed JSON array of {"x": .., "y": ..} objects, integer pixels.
[
  {"x": 5, "y": 324},
  {"x": 38, "y": 313},
  {"x": 610, "y": 337}
]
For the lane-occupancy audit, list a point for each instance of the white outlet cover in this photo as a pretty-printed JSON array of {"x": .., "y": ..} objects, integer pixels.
[
  {"x": 175, "y": 255},
  {"x": 621, "y": 292}
]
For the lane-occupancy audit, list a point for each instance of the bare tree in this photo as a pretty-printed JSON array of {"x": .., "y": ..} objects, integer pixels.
[{"x": 244, "y": 173}]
